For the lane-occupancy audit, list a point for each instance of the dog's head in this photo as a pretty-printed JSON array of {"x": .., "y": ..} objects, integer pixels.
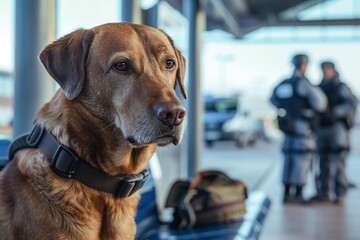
[{"x": 124, "y": 74}]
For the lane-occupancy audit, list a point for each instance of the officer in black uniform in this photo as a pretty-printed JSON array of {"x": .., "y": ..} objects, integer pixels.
[
  {"x": 333, "y": 135},
  {"x": 297, "y": 101}
]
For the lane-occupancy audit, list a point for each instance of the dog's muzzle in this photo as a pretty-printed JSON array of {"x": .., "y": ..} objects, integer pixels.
[{"x": 170, "y": 114}]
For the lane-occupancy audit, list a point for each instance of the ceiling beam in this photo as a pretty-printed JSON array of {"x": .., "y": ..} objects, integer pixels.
[
  {"x": 292, "y": 13},
  {"x": 228, "y": 18},
  {"x": 310, "y": 23}
]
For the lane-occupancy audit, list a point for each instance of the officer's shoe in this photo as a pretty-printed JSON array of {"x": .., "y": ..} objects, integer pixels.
[
  {"x": 287, "y": 198},
  {"x": 300, "y": 200},
  {"x": 339, "y": 200},
  {"x": 320, "y": 198}
]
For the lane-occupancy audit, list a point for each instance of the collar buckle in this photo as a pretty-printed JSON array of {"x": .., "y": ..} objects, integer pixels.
[
  {"x": 131, "y": 184},
  {"x": 64, "y": 161}
]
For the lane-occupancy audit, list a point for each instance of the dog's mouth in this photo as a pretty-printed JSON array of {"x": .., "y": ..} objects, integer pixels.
[
  {"x": 161, "y": 141},
  {"x": 166, "y": 140}
]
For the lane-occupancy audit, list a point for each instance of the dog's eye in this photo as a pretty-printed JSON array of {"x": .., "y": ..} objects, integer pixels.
[
  {"x": 121, "y": 66},
  {"x": 169, "y": 64}
]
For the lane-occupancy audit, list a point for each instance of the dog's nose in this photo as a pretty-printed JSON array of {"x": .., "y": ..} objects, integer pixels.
[{"x": 170, "y": 114}]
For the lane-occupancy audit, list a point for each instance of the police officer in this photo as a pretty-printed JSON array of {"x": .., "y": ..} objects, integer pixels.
[
  {"x": 297, "y": 101},
  {"x": 333, "y": 135}
]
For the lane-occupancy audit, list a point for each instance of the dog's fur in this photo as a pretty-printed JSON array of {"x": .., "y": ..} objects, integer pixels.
[{"x": 107, "y": 116}]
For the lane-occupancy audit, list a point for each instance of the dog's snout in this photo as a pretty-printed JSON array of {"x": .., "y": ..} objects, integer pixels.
[{"x": 170, "y": 114}]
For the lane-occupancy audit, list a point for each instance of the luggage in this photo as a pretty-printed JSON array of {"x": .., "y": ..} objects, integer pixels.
[{"x": 211, "y": 198}]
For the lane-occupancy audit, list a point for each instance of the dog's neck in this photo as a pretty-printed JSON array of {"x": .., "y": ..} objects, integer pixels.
[{"x": 95, "y": 140}]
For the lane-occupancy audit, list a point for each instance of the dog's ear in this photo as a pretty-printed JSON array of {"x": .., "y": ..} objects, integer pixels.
[
  {"x": 180, "y": 74},
  {"x": 65, "y": 60}
]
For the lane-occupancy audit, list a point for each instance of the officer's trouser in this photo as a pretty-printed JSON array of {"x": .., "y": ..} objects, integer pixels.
[
  {"x": 296, "y": 167},
  {"x": 332, "y": 173}
]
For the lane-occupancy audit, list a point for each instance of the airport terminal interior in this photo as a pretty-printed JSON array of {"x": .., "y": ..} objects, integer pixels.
[{"x": 236, "y": 52}]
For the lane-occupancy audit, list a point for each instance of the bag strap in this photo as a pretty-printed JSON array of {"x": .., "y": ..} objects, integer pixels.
[
  {"x": 186, "y": 211},
  {"x": 177, "y": 193}
]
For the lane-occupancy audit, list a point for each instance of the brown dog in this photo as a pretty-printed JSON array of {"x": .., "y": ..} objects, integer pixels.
[{"x": 116, "y": 104}]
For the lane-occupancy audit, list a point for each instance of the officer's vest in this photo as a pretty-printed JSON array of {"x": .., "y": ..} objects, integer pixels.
[
  {"x": 291, "y": 102},
  {"x": 291, "y": 105},
  {"x": 331, "y": 91}
]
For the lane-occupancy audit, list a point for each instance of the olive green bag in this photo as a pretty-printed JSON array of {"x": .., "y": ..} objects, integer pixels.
[{"x": 211, "y": 198}]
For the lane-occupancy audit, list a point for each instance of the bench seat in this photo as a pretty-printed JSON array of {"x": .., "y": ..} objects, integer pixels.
[{"x": 4, "y": 145}]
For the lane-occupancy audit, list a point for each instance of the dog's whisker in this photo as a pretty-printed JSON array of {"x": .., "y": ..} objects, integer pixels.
[
  {"x": 108, "y": 126},
  {"x": 112, "y": 133}
]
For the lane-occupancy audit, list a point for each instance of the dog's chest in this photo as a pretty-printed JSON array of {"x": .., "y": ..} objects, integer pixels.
[
  {"x": 118, "y": 219},
  {"x": 113, "y": 222},
  {"x": 93, "y": 217}
]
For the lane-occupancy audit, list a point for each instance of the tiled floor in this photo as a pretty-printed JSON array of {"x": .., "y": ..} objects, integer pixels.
[{"x": 314, "y": 221}]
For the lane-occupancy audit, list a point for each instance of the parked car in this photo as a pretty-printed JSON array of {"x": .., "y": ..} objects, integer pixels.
[{"x": 225, "y": 120}]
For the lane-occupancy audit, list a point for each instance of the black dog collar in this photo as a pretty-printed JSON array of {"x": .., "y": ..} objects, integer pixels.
[{"x": 66, "y": 163}]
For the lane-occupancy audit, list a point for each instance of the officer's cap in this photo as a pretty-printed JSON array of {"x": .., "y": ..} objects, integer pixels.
[
  {"x": 328, "y": 64},
  {"x": 300, "y": 59}
]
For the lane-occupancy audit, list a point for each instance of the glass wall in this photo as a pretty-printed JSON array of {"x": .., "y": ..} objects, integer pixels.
[{"x": 72, "y": 15}]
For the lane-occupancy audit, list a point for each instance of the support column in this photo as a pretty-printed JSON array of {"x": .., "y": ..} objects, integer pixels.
[
  {"x": 131, "y": 11},
  {"x": 35, "y": 27},
  {"x": 150, "y": 15},
  {"x": 192, "y": 11}
]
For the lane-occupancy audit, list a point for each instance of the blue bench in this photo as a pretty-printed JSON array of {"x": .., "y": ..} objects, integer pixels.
[
  {"x": 4, "y": 145},
  {"x": 249, "y": 227}
]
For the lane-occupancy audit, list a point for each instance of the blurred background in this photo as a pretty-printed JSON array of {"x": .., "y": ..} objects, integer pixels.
[{"x": 237, "y": 51}]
